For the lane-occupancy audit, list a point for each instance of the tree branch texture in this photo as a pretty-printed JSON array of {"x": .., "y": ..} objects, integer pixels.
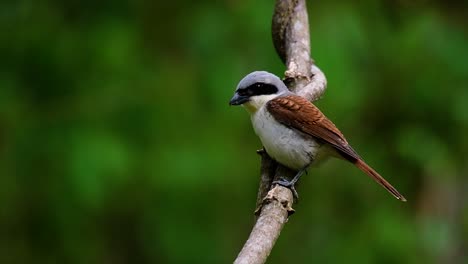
[{"x": 290, "y": 32}]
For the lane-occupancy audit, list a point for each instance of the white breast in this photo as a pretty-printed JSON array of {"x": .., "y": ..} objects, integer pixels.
[{"x": 283, "y": 144}]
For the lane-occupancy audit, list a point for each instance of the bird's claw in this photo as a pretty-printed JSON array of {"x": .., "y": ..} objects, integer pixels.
[{"x": 288, "y": 184}]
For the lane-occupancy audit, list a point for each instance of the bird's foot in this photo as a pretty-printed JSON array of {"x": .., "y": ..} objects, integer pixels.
[{"x": 290, "y": 184}]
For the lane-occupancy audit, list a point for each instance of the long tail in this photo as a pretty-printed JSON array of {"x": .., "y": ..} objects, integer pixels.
[{"x": 379, "y": 179}]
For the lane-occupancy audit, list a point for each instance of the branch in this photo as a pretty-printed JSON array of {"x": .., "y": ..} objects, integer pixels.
[
  {"x": 267, "y": 169},
  {"x": 275, "y": 212},
  {"x": 290, "y": 31}
]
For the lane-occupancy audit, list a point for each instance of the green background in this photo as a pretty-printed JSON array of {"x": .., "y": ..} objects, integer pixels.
[{"x": 117, "y": 144}]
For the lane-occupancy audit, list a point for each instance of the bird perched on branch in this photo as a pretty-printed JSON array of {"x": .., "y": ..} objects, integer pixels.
[{"x": 293, "y": 131}]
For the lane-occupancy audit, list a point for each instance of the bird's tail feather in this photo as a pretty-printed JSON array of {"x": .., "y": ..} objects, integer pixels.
[{"x": 379, "y": 179}]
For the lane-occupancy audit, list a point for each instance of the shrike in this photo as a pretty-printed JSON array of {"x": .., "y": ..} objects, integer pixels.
[{"x": 293, "y": 131}]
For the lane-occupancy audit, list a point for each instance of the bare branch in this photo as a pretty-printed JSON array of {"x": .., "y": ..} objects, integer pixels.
[
  {"x": 315, "y": 87},
  {"x": 290, "y": 30},
  {"x": 276, "y": 209},
  {"x": 267, "y": 170},
  {"x": 291, "y": 38}
]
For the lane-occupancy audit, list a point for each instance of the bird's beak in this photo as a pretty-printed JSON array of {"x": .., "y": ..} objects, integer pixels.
[{"x": 238, "y": 99}]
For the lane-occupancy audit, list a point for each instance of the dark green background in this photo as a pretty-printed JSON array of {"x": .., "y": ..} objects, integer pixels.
[{"x": 117, "y": 144}]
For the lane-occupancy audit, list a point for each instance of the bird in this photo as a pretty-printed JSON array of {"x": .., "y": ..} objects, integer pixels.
[{"x": 293, "y": 131}]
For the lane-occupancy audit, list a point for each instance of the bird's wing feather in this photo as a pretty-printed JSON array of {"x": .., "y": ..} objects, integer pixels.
[{"x": 296, "y": 112}]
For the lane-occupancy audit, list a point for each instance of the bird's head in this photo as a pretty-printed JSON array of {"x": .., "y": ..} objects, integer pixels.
[{"x": 256, "y": 89}]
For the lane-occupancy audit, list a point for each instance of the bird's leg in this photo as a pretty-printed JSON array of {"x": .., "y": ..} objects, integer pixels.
[{"x": 291, "y": 183}]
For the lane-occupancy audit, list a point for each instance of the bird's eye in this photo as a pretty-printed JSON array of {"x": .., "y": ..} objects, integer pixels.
[{"x": 260, "y": 88}]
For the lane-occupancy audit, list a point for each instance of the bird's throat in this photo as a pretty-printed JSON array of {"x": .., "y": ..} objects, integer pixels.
[
  {"x": 256, "y": 102},
  {"x": 251, "y": 108}
]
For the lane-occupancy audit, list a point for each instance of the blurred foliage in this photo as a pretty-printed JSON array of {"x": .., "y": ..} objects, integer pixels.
[{"x": 117, "y": 144}]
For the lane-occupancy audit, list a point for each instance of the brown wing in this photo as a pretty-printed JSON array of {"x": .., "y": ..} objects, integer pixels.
[{"x": 296, "y": 112}]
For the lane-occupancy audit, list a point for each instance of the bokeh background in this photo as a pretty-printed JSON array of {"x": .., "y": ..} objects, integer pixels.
[{"x": 117, "y": 144}]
